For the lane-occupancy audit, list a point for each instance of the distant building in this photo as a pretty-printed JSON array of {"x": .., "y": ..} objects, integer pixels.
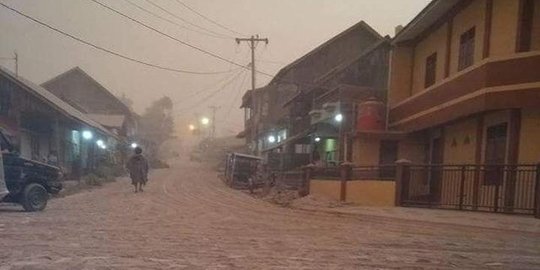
[
  {"x": 40, "y": 125},
  {"x": 322, "y": 76},
  {"x": 83, "y": 92}
]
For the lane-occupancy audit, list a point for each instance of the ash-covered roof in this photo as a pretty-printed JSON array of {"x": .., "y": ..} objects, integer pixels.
[{"x": 55, "y": 102}]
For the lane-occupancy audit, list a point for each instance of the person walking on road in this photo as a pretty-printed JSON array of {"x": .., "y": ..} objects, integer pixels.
[{"x": 137, "y": 166}]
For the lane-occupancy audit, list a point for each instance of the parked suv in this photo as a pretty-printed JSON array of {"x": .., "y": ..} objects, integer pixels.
[{"x": 28, "y": 182}]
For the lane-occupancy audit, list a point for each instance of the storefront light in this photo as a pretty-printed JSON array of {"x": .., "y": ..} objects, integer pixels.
[
  {"x": 338, "y": 118},
  {"x": 87, "y": 134}
]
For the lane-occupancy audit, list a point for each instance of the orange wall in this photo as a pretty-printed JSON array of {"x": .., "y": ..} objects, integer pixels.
[
  {"x": 502, "y": 43},
  {"x": 529, "y": 143},
  {"x": 330, "y": 189},
  {"x": 400, "y": 74},
  {"x": 472, "y": 16},
  {"x": 456, "y": 148},
  {"x": 371, "y": 193},
  {"x": 436, "y": 42},
  {"x": 366, "y": 151},
  {"x": 504, "y": 27}
]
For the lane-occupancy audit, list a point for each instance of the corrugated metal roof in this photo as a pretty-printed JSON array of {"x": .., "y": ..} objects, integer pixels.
[
  {"x": 109, "y": 120},
  {"x": 54, "y": 101}
]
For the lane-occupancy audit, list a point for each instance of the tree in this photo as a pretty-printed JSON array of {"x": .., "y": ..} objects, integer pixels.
[
  {"x": 127, "y": 101},
  {"x": 157, "y": 124}
]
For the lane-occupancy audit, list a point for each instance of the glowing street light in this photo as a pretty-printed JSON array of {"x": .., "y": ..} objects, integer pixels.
[
  {"x": 191, "y": 127},
  {"x": 134, "y": 145},
  {"x": 271, "y": 139},
  {"x": 317, "y": 139},
  {"x": 205, "y": 121},
  {"x": 338, "y": 118},
  {"x": 87, "y": 135}
]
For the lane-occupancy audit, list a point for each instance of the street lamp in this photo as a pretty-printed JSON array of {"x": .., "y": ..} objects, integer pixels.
[
  {"x": 271, "y": 139},
  {"x": 191, "y": 127},
  {"x": 317, "y": 139},
  {"x": 134, "y": 145},
  {"x": 205, "y": 121}
]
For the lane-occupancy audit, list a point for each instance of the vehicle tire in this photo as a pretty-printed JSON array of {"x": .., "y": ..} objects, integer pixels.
[{"x": 34, "y": 198}]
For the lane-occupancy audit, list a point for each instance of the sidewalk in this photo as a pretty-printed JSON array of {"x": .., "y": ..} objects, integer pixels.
[{"x": 507, "y": 222}]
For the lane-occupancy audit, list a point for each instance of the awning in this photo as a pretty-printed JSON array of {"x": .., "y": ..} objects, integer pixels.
[{"x": 109, "y": 120}]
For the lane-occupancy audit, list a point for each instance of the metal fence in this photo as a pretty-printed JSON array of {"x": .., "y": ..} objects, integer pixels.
[
  {"x": 379, "y": 172},
  {"x": 289, "y": 180},
  {"x": 327, "y": 173},
  {"x": 494, "y": 188}
]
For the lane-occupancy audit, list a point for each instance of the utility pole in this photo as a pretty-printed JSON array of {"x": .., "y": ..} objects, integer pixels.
[
  {"x": 16, "y": 59},
  {"x": 253, "y": 41},
  {"x": 214, "y": 109}
]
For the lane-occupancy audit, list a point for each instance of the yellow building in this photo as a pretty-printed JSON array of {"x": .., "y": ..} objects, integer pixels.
[{"x": 464, "y": 87}]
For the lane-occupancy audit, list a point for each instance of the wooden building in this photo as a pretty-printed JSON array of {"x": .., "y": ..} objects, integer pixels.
[
  {"x": 324, "y": 84},
  {"x": 41, "y": 125},
  {"x": 83, "y": 92}
]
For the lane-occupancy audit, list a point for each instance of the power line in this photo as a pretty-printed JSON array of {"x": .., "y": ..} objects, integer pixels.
[
  {"x": 208, "y": 19},
  {"x": 171, "y": 21},
  {"x": 88, "y": 43},
  {"x": 171, "y": 37},
  {"x": 207, "y": 97},
  {"x": 271, "y": 62},
  {"x": 197, "y": 93},
  {"x": 190, "y": 45},
  {"x": 186, "y": 21},
  {"x": 240, "y": 88}
]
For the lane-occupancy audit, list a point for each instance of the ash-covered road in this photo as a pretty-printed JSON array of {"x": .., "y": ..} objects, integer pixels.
[{"x": 188, "y": 219}]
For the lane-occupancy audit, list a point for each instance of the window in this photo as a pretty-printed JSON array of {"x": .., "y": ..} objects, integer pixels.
[
  {"x": 431, "y": 70},
  {"x": 466, "y": 49},
  {"x": 388, "y": 154},
  {"x": 526, "y": 26}
]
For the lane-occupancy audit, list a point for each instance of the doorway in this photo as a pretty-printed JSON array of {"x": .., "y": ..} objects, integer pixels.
[
  {"x": 495, "y": 154},
  {"x": 436, "y": 173}
]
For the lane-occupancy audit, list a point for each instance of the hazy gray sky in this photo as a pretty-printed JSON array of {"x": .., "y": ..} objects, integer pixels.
[{"x": 294, "y": 27}]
